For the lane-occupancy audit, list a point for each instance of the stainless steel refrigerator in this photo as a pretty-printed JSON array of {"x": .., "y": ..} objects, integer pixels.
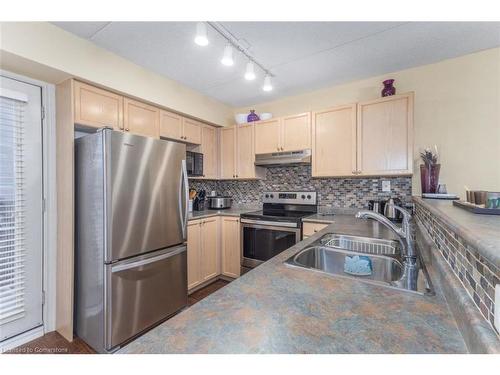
[{"x": 131, "y": 198}]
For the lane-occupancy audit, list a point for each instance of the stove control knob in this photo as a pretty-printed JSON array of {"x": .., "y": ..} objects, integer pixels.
[
  {"x": 303, "y": 196},
  {"x": 272, "y": 196},
  {"x": 308, "y": 196},
  {"x": 267, "y": 195}
]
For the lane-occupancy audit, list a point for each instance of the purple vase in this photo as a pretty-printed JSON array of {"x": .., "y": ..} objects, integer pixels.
[
  {"x": 253, "y": 116},
  {"x": 429, "y": 177},
  {"x": 388, "y": 89}
]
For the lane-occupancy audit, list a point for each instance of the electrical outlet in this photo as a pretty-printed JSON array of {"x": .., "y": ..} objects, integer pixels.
[
  {"x": 386, "y": 186},
  {"x": 496, "y": 321}
]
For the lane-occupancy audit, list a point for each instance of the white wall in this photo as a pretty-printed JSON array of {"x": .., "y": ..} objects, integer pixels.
[
  {"x": 457, "y": 107},
  {"x": 43, "y": 51}
]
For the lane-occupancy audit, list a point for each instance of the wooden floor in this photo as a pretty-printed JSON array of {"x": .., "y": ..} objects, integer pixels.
[{"x": 54, "y": 343}]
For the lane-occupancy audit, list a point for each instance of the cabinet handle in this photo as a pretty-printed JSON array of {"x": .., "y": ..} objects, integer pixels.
[{"x": 126, "y": 129}]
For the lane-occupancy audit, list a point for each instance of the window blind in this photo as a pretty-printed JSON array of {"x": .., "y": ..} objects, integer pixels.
[{"x": 12, "y": 206}]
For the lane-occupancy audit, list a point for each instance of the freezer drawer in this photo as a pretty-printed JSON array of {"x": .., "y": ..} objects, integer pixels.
[{"x": 143, "y": 291}]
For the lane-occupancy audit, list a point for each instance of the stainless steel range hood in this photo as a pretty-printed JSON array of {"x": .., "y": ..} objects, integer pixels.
[{"x": 283, "y": 158}]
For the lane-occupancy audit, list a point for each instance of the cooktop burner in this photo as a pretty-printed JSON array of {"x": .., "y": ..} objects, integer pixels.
[{"x": 285, "y": 206}]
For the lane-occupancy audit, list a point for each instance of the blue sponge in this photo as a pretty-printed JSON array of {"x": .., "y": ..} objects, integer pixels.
[{"x": 358, "y": 265}]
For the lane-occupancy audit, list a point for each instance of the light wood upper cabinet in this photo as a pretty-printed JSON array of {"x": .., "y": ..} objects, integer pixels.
[
  {"x": 170, "y": 125},
  {"x": 334, "y": 142},
  {"x": 192, "y": 131},
  {"x": 296, "y": 132},
  {"x": 96, "y": 107},
  {"x": 228, "y": 152},
  {"x": 209, "y": 150},
  {"x": 268, "y": 136},
  {"x": 289, "y": 133},
  {"x": 141, "y": 119},
  {"x": 210, "y": 248},
  {"x": 179, "y": 128},
  {"x": 385, "y": 136},
  {"x": 245, "y": 151},
  {"x": 237, "y": 156},
  {"x": 194, "y": 253},
  {"x": 231, "y": 247}
]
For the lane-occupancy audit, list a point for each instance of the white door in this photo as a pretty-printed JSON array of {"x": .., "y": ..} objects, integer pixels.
[{"x": 20, "y": 207}]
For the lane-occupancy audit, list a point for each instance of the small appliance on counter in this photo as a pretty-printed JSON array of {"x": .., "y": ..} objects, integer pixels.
[
  {"x": 199, "y": 201},
  {"x": 390, "y": 212},
  {"x": 377, "y": 206},
  {"x": 219, "y": 202}
]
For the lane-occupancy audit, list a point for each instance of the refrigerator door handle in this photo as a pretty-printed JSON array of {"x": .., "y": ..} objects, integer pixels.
[
  {"x": 183, "y": 209},
  {"x": 143, "y": 262}
]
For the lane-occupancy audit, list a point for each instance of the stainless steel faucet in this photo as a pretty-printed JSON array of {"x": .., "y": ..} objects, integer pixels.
[
  {"x": 404, "y": 233},
  {"x": 410, "y": 265}
]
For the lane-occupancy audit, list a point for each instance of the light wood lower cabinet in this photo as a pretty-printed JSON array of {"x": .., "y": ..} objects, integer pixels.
[
  {"x": 194, "y": 253},
  {"x": 334, "y": 142},
  {"x": 141, "y": 119},
  {"x": 231, "y": 247},
  {"x": 213, "y": 248},
  {"x": 203, "y": 256}
]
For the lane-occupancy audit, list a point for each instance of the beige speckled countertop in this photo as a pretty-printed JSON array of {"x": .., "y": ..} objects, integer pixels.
[
  {"x": 481, "y": 231},
  {"x": 280, "y": 309}
]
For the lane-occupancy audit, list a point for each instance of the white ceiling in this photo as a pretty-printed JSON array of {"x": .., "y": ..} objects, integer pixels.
[{"x": 302, "y": 55}]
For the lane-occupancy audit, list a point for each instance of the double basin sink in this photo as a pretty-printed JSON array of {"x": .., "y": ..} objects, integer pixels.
[{"x": 372, "y": 260}]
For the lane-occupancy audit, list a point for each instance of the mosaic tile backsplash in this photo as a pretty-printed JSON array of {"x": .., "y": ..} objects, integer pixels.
[
  {"x": 332, "y": 192},
  {"x": 476, "y": 274}
]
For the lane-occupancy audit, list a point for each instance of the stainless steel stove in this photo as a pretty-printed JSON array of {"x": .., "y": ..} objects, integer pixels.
[{"x": 276, "y": 227}]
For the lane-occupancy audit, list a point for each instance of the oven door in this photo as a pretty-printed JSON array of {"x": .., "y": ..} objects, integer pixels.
[{"x": 261, "y": 241}]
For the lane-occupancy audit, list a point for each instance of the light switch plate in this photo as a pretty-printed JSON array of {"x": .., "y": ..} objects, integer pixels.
[
  {"x": 496, "y": 322},
  {"x": 386, "y": 185}
]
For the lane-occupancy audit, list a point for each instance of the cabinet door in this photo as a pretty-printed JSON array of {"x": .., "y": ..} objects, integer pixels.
[
  {"x": 209, "y": 150},
  {"x": 97, "y": 108},
  {"x": 209, "y": 246},
  {"x": 141, "y": 119},
  {"x": 194, "y": 253},
  {"x": 385, "y": 136},
  {"x": 296, "y": 132},
  {"x": 334, "y": 142},
  {"x": 231, "y": 247},
  {"x": 267, "y": 136},
  {"x": 227, "y": 152},
  {"x": 245, "y": 152},
  {"x": 191, "y": 131},
  {"x": 170, "y": 125}
]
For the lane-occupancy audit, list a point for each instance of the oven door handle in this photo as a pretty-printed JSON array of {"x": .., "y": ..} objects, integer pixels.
[{"x": 271, "y": 223}]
